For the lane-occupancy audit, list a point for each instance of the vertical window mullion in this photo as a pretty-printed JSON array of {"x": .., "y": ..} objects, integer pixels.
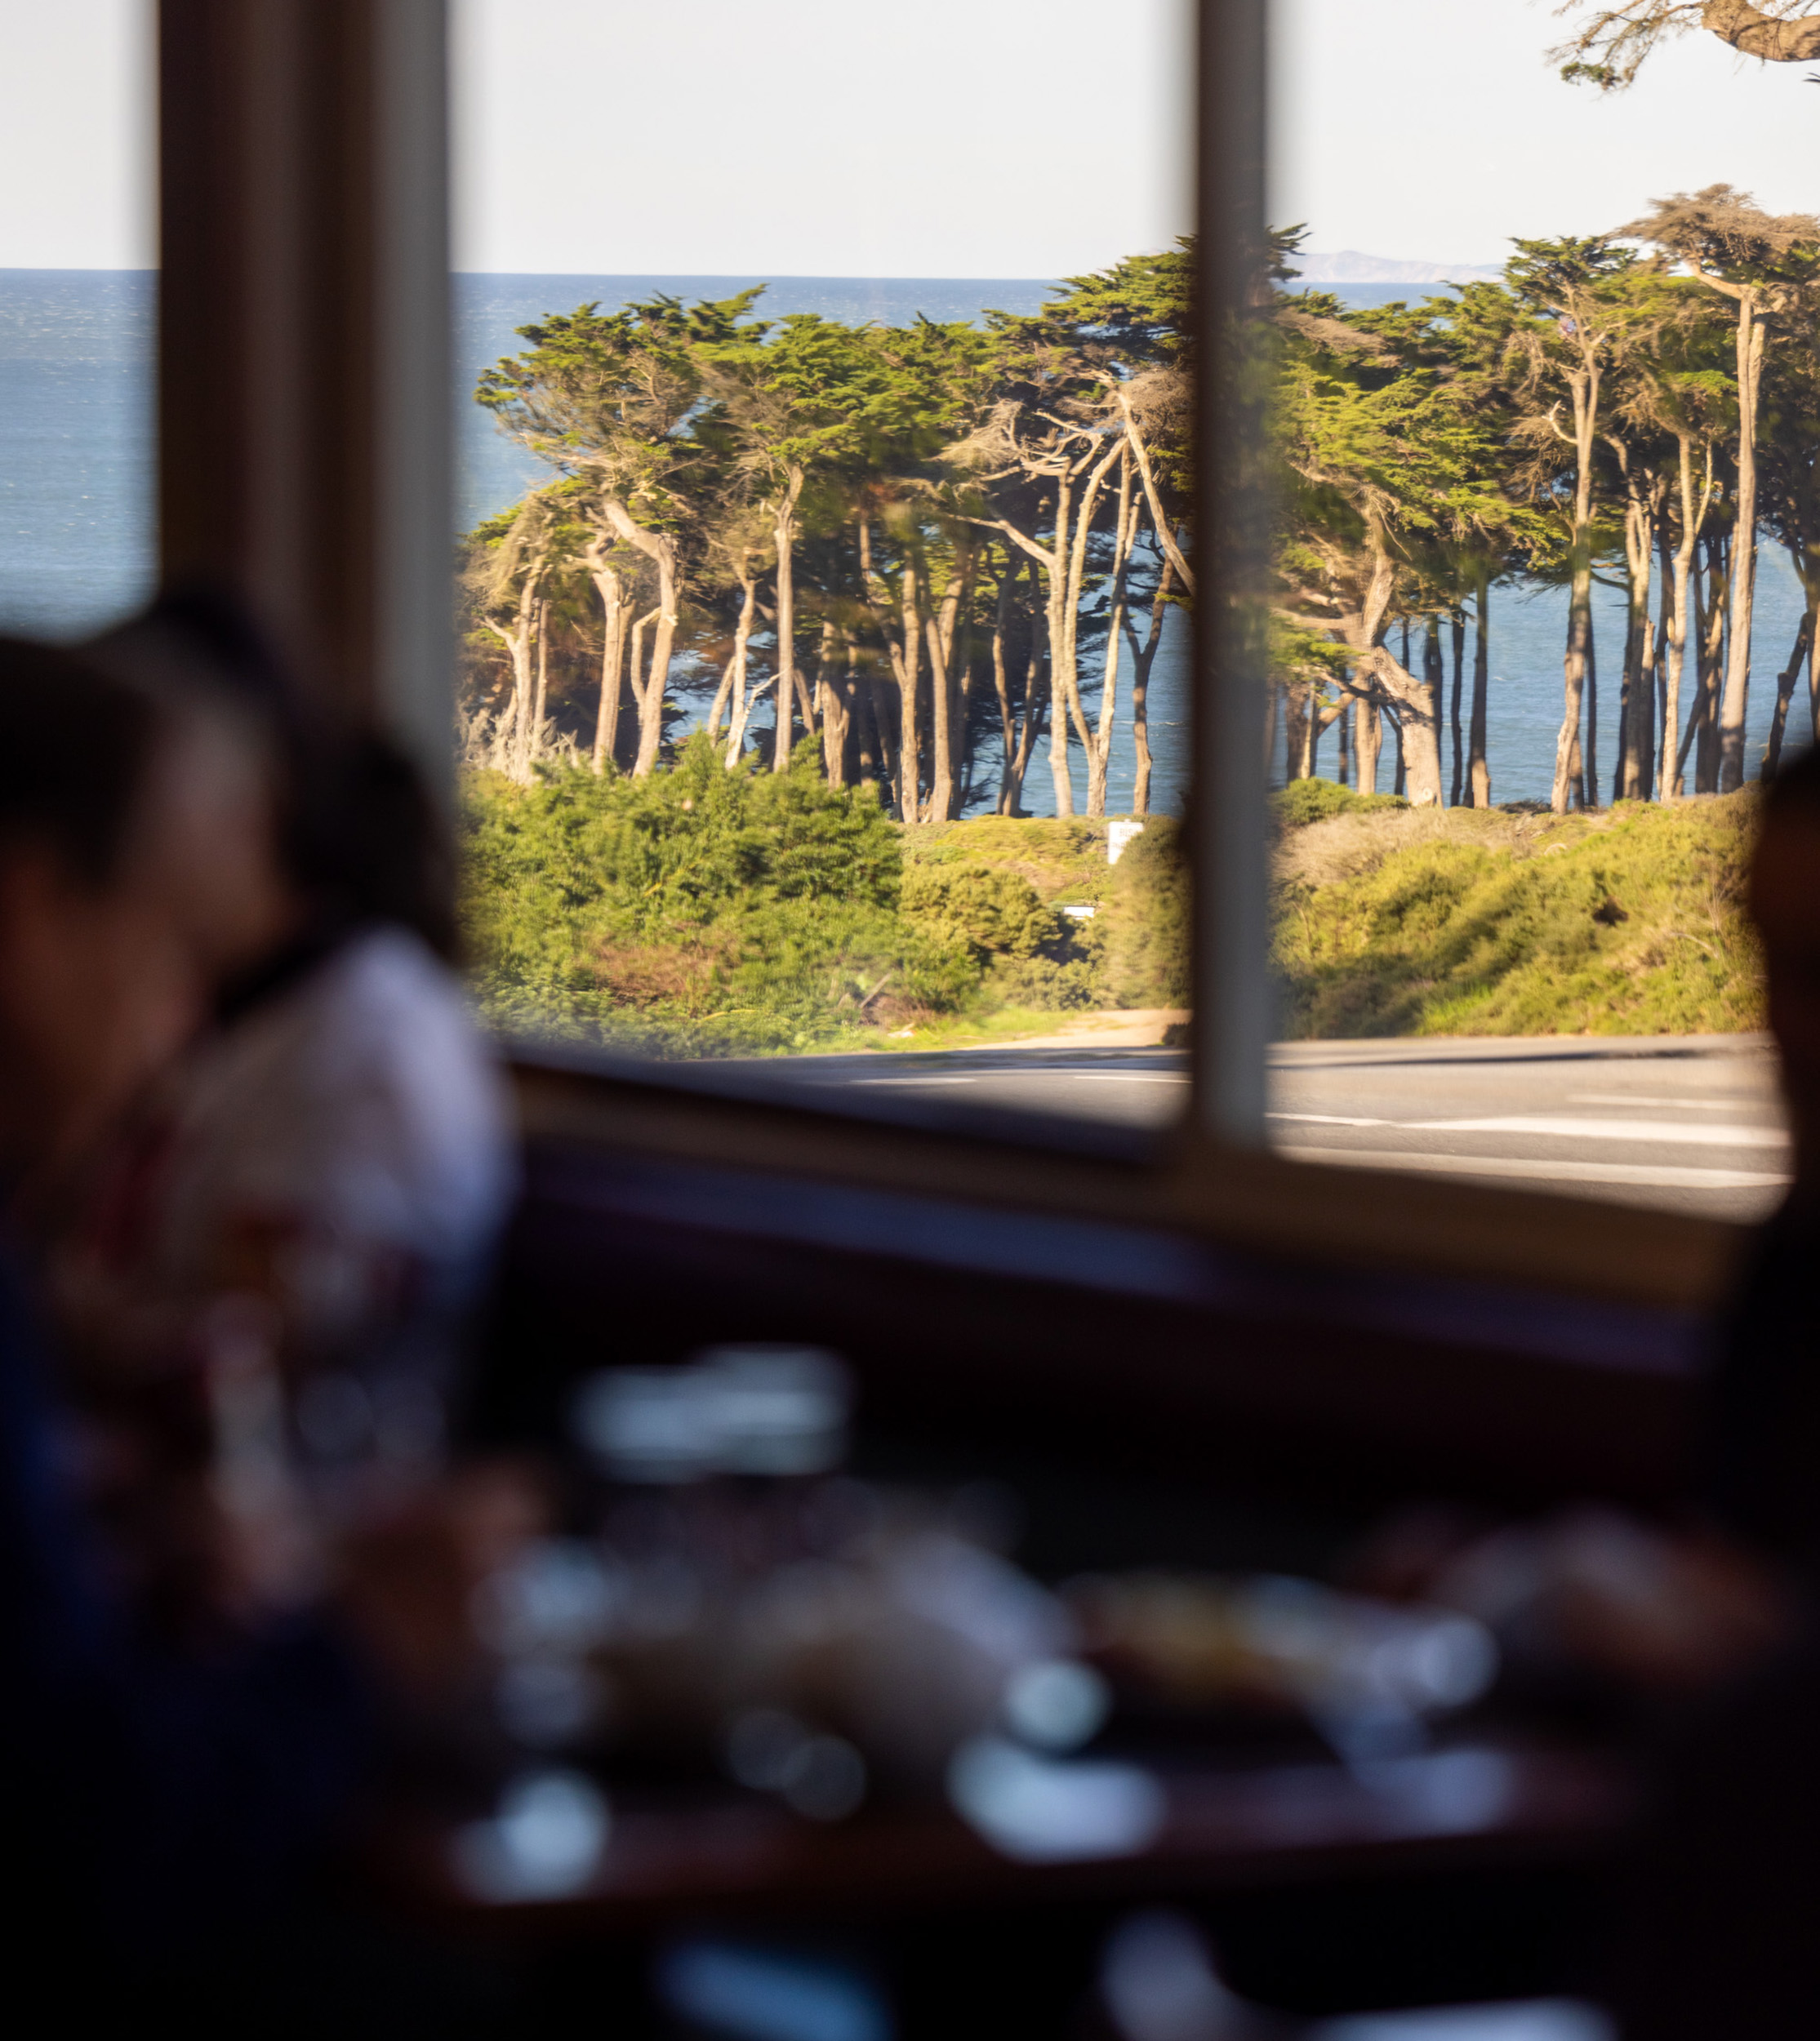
[{"x": 1233, "y": 998}]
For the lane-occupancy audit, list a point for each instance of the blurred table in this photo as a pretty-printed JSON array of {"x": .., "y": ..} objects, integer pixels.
[{"x": 1226, "y": 1829}]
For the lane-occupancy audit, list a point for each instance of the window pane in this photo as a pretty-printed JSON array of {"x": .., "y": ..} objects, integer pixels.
[
  {"x": 817, "y": 387},
  {"x": 1535, "y": 647},
  {"x": 77, "y": 228}
]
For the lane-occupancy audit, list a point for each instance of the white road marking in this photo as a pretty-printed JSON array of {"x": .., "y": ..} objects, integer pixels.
[
  {"x": 1587, "y": 1130},
  {"x": 1128, "y": 1077},
  {"x": 913, "y": 1080},
  {"x": 1560, "y": 1172},
  {"x": 1694, "y": 1105},
  {"x": 1328, "y": 1119}
]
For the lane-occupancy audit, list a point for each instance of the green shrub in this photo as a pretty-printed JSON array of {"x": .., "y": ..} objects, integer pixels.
[
  {"x": 1146, "y": 921},
  {"x": 1305, "y": 801},
  {"x": 704, "y": 912},
  {"x": 990, "y": 913},
  {"x": 1636, "y": 927},
  {"x": 699, "y": 911}
]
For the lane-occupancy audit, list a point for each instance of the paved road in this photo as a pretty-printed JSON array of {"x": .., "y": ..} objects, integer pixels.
[{"x": 1691, "y": 1125}]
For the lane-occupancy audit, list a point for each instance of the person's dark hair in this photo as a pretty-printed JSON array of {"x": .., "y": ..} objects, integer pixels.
[
  {"x": 358, "y": 832},
  {"x": 367, "y": 840},
  {"x": 76, "y": 750},
  {"x": 1796, "y": 789}
]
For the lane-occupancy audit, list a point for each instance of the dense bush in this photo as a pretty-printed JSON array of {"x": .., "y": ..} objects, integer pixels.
[
  {"x": 701, "y": 912},
  {"x": 698, "y": 911},
  {"x": 1147, "y": 920},
  {"x": 1634, "y": 927},
  {"x": 1305, "y": 801}
]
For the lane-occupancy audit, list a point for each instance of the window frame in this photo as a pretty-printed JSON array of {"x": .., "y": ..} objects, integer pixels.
[{"x": 305, "y": 428}]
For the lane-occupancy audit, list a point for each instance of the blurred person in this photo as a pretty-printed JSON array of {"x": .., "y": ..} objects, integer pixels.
[
  {"x": 1728, "y": 1886},
  {"x": 144, "y": 1795},
  {"x": 265, "y": 1280},
  {"x": 169, "y": 1811}
]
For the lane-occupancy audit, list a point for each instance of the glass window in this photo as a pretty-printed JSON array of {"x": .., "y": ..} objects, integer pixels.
[
  {"x": 77, "y": 228},
  {"x": 824, "y": 453},
  {"x": 1548, "y": 566}
]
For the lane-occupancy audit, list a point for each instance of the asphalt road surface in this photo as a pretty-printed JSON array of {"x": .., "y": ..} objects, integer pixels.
[{"x": 1690, "y": 1124}]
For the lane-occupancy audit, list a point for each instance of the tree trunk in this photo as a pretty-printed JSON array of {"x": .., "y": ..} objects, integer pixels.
[
  {"x": 903, "y": 747},
  {"x": 517, "y": 640},
  {"x": 647, "y": 689},
  {"x": 1680, "y": 578},
  {"x": 1064, "y": 564},
  {"x": 1165, "y": 537},
  {"x": 1479, "y": 775},
  {"x": 784, "y": 533},
  {"x": 641, "y": 686},
  {"x": 1302, "y": 711},
  {"x": 723, "y": 693},
  {"x": 1400, "y": 786},
  {"x": 1099, "y": 749},
  {"x": 1368, "y": 734},
  {"x": 1076, "y": 558},
  {"x": 865, "y": 718},
  {"x": 1808, "y": 567},
  {"x": 1342, "y": 766},
  {"x": 611, "y": 589},
  {"x": 1035, "y": 702},
  {"x": 942, "y": 634},
  {"x": 835, "y": 714},
  {"x": 1785, "y": 688},
  {"x": 1434, "y": 676},
  {"x": 1413, "y": 702},
  {"x": 909, "y": 677},
  {"x": 651, "y": 708},
  {"x": 1736, "y": 701},
  {"x": 1633, "y": 771},
  {"x": 1459, "y": 623},
  {"x": 1569, "y": 775},
  {"x": 537, "y": 715},
  {"x": 1001, "y": 687},
  {"x": 1589, "y": 780},
  {"x": 739, "y": 665},
  {"x": 1712, "y": 660},
  {"x": 1141, "y": 661}
]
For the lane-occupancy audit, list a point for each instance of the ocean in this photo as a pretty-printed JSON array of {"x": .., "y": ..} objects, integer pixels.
[{"x": 77, "y": 501}]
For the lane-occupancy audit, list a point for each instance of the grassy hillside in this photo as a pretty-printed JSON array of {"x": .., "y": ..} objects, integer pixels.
[
  {"x": 706, "y": 912},
  {"x": 702, "y": 912},
  {"x": 1396, "y": 921}
]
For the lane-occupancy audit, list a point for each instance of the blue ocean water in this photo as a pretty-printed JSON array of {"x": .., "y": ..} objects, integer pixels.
[
  {"x": 77, "y": 544},
  {"x": 76, "y": 491}
]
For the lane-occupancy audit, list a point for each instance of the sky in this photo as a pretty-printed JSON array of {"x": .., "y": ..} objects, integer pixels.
[
  {"x": 935, "y": 137},
  {"x": 952, "y": 138},
  {"x": 1436, "y": 131},
  {"x": 77, "y": 176}
]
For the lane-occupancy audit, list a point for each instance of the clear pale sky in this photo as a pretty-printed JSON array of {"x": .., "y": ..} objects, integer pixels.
[
  {"x": 77, "y": 182},
  {"x": 1435, "y": 130},
  {"x": 997, "y": 138}
]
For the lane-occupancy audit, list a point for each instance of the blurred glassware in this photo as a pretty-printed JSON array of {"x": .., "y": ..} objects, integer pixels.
[
  {"x": 1056, "y": 1704},
  {"x": 1533, "y": 2019},
  {"x": 1369, "y": 1674},
  {"x": 1050, "y": 1810},
  {"x": 758, "y": 1410},
  {"x": 1159, "y": 1982},
  {"x": 769, "y": 1994},
  {"x": 546, "y": 1841}
]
